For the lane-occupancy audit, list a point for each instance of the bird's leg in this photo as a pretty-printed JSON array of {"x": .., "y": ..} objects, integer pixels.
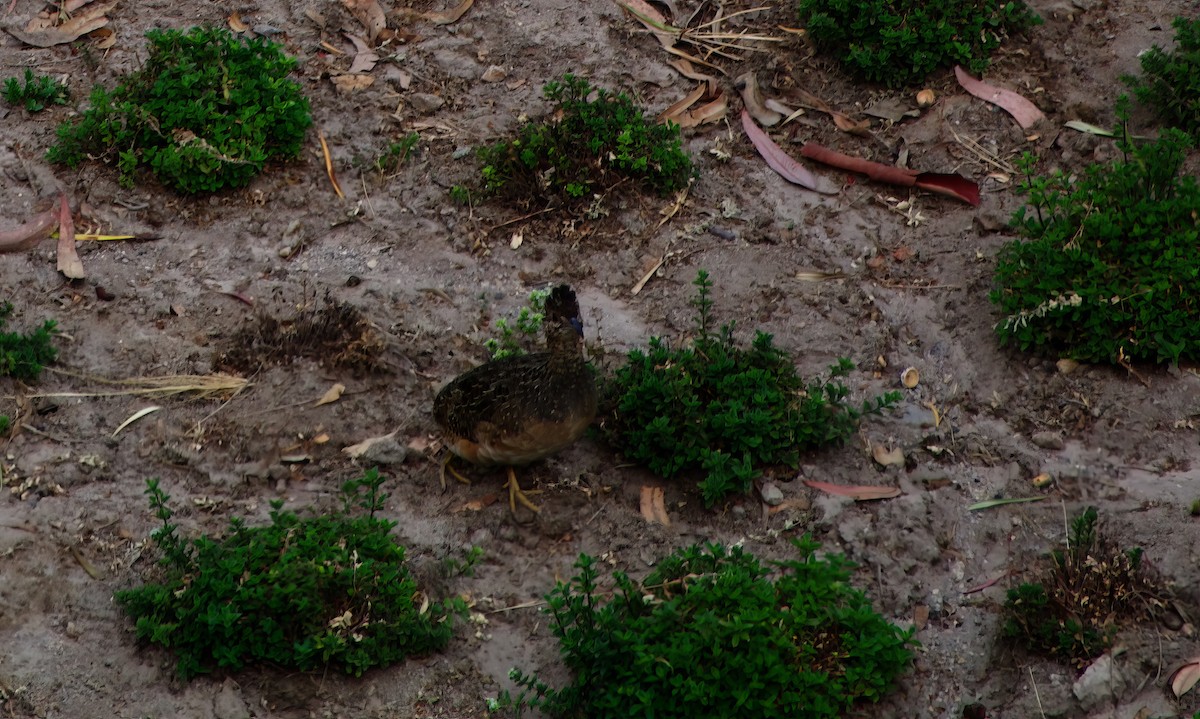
[
  {"x": 516, "y": 495},
  {"x": 453, "y": 471}
]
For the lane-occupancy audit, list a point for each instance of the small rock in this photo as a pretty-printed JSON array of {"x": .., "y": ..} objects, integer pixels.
[
  {"x": 1048, "y": 440},
  {"x": 228, "y": 704},
  {"x": 385, "y": 451},
  {"x": 771, "y": 494},
  {"x": 495, "y": 73},
  {"x": 425, "y": 102},
  {"x": 1101, "y": 683},
  {"x": 73, "y": 630},
  {"x": 456, "y": 63}
]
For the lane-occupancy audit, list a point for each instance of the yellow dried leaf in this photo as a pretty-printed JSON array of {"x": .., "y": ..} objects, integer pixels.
[{"x": 333, "y": 394}]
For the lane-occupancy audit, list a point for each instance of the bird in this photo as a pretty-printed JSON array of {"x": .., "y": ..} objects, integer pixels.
[{"x": 521, "y": 408}]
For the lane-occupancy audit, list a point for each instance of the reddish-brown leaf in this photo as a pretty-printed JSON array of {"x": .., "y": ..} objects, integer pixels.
[
  {"x": 778, "y": 160},
  {"x": 1022, "y": 110},
  {"x": 859, "y": 492}
]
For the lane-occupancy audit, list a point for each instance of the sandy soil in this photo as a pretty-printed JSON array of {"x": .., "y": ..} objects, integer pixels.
[{"x": 432, "y": 275}]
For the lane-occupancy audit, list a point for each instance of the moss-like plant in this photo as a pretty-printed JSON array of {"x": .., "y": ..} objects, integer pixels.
[
  {"x": 309, "y": 593},
  {"x": 900, "y": 42},
  {"x": 1170, "y": 81},
  {"x": 36, "y": 93},
  {"x": 596, "y": 139},
  {"x": 24, "y": 355},
  {"x": 724, "y": 411},
  {"x": 714, "y": 633},
  {"x": 206, "y": 111},
  {"x": 1073, "y": 608},
  {"x": 1107, "y": 270}
]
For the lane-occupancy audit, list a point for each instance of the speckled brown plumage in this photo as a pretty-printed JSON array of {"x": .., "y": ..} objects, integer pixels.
[{"x": 520, "y": 409}]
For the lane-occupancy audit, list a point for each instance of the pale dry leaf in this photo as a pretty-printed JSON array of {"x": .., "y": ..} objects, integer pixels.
[
  {"x": 31, "y": 233},
  {"x": 887, "y": 457},
  {"x": 494, "y": 73},
  {"x": 679, "y": 108},
  {"x": 333, "y": 394},
  {"x": 237, "y": 24},
  {"x": 711, "y": 112},
  {"x": 449, "y": 16},
  {"x": 685, "y": 68},
  {"x": 858, "y": 492},
  {"x": 1186, "y": 677},
  {"x": 357, "y": 450},
  {"x": 652, "y": 19},
  {"x": 346, "y": 84},
  {"x": 43, "y": 32},
  {"x": 370, "y": 14},
  {"x": 135, "y": 417},
  {"x": 747, "y": 87},
  {"x": 103, "y": 38},
  {"x": 778, "y": 160},
  {"x": 364, "y": 57},
  {"x": 1023, "y": 111},
  {"x": 68, "y": 256}
]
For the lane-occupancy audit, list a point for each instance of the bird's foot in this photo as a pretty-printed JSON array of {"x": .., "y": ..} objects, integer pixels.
[
  {"x": 446, "y": 466},
  {"x": 517, "y": 495}
]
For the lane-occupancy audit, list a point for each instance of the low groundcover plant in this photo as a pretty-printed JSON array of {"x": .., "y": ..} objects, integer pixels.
[
  {"x": 206, "y": 111},
  {"x": 1107, "y": 268},
  {"x": 723, "y": 411},
  {"x": 714, "y": 633},
  {"x": 306, "y": 593}
]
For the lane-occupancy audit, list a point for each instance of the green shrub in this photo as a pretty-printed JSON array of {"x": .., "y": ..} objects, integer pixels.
[
  {"x": 900, "y": 42},
  {"x": 714, "y": 633},
  {"x": 37, "y": 93},
  {"x": 589, "y": 147},
  {"x": 725, "y": 411},
  {"x": 23, "y": 356},
  {"x": 1170, "y": 82},
  {"x": 516, "y": 335},
  {"x": 1073, "y": 608},
  {"x": 1108, "y": 268},
  {"x": 325, "y": 591},
  {"x": 206, "y": 111}
]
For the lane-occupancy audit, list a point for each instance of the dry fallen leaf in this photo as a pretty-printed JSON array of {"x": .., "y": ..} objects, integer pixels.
[
  {"x": 747, "y": 86},
  {"x": 346, "y": 84},
  {"x": 102, "y": 38},
  {"x": 859, "y": 492},
  {"x": 364, "y": 57},
  {"x": 135, "y": 417},
  {"x": 1186, "y": 677},
  {"x": 910, "y": 377},
  {"x": 370, "y": 14},
  {"x": 42, "y": 31},
  {"x": 31, "y": 233},
  {"x": 68, "y": 257},
  {"x": 778, "y": 160},
  {"x": 888, "y": 457},
  {"x": 449, "y": 16},
  {"x": 1023, "y": 111},
  {"x": 236, "y": 24},
  {"x": 333, "y": 394}
]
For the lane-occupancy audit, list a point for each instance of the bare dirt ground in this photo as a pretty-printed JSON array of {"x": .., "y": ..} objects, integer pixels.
[{"x": 432, "y": 275}]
